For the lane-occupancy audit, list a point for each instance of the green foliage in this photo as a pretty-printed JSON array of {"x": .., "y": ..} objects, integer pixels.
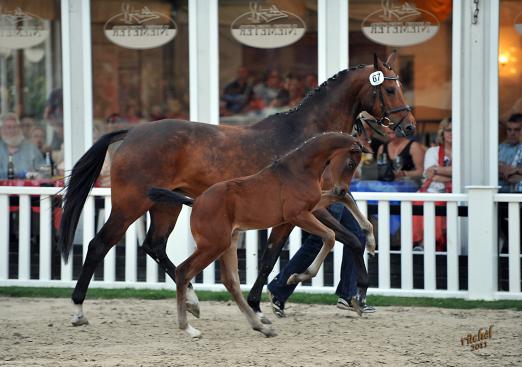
[{"x": 100, "y": 293}]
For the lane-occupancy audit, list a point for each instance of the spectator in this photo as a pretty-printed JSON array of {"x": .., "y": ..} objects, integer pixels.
[
  {"x": 290, "y": 95},
  {"x": 27, "y": 123},
  {"x": 510, "y": 157},
  {"x": 238, "y": 93},
  {"x": 407, "y": 156},
  {"x": 266, "y": 91},
  {"x": 437, "y": 173},
  {"x": 26, "y": 156},
  {"x": 54, "y": 115},
  {"x": 509, "y": 171},
  {"x": 37, "y": 137},
  {"x": 310, "y": 82}
]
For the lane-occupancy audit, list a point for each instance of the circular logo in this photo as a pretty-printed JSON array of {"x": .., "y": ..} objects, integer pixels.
[
  {"x": 267, "y": 27},
  {"x": 19, "y": 29},
  {"x": 139, "y": 28},
  {"x": 403, "y": 25}
]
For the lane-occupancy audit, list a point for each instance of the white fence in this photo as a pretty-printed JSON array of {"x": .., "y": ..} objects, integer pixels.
[{"x": 472, "y": 238}]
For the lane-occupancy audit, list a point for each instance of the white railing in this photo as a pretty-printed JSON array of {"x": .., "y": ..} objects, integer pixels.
[{"x": 479, "y": 227}]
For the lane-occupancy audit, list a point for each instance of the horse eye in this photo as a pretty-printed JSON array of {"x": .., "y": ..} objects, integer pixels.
[{"x": 390, "y": 90}]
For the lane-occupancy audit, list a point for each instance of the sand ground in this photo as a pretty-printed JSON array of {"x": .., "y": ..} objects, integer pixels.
[{"x": 37, "y": 332}]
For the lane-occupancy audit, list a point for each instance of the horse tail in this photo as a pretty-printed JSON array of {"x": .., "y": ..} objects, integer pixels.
[
  {"x": 81, "y": 180},
  {"x": 169, "y": 197}
]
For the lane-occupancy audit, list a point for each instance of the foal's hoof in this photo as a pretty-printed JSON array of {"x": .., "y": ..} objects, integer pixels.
[
  {"x": 356, "y": 306},
  {"x": 193, "y": 332},
  {"x": 79, "y": 320},
  {"x": 192, "y": 302},
  {"x": 193, "y": 309},
  {"x": 370, "y": 247},
  {"x": 269, "y": 332},
  {"x": 293, "y": 279},
  {"x": 265, "y": 320}
]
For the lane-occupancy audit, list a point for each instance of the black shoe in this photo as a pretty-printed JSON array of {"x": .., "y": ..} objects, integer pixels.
[
  {"x": 278, "y": 307},
  {"x": 366, "y": 308}
]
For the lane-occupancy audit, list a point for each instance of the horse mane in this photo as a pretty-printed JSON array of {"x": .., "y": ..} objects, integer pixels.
[
  {"x": 277, "y": 161},
  {"x": 311, "y": 94}
]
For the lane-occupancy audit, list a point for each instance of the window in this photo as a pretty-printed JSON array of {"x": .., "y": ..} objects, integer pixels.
[
  {"x": 421, "y": 32},
  {"x": 30, "y": 87},
  {"x": 140, "y": 62},
  {"x": 267, "y": 57}
]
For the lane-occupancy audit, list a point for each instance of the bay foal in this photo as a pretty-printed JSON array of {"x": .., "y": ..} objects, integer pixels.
[{"x": 287, "y": 191}]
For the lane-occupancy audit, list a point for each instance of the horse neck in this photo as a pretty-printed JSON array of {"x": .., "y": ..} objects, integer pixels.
[
  {"x": 330, "y": 108},
  {"x": 315, "y": 154}
]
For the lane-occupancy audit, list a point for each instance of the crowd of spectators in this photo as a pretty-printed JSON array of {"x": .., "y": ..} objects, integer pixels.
[{"x": 249, "y": 92}]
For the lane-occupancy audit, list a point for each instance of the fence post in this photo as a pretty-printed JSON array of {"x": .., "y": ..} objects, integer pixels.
[{"x": 482, "y": 242}]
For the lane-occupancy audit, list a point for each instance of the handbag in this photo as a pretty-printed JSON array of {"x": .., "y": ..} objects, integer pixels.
[{"x": 385, "y": 171}]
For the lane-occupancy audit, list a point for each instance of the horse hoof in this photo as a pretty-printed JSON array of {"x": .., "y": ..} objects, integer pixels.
[
  {"x": 293, "y": 279},
  {"x": 79, "y": 320},
  {"x": 192, "y": 302},
  {"x": 356, "y": 306},
  {"x": 261, "y": 316},
  {"x": 268, "y": 332},
  {"x": 193, "y": 332},
  {"x": 193, "y": 309}
]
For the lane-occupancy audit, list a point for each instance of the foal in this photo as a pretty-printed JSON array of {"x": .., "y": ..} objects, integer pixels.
[{"x": 287, "y": 191}]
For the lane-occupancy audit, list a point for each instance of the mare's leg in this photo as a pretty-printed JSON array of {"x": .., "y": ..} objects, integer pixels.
[
  {"x": 309, "y": 223},
  {"x": 230, "y": 278},
  {"x": 163, "y": 220},
  {"x": 276, "y": 241},
  {"x": 111, "y": 232},
  {"x": 207, "y": 250}
]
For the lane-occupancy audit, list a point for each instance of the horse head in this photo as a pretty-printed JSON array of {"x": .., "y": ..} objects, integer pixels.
[{"x": 382, "y": 96}]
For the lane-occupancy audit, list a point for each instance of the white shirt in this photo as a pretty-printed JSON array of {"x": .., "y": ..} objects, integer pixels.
[{"x": 431, "y": 159}]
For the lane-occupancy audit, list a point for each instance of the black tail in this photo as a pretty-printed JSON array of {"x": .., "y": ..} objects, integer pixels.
[
  {"x": 81, "y": 180},
  {"x": 169, "y": 197}
]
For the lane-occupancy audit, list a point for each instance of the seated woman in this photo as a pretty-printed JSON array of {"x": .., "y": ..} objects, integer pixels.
[
  {"x": 437, "y": 164},
  {"x": 407, "y": 156}
]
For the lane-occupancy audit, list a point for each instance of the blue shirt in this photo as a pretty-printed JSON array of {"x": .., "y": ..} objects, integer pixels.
[
  {"x": 26, "y": 158},
  {"x": 510, "y": 155}
]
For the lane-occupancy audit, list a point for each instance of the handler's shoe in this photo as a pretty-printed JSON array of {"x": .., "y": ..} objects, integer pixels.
[{"x": 278, "y": 307}]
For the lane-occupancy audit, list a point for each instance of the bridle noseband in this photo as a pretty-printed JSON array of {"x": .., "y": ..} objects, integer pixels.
[{"x": 385, "y": 120}]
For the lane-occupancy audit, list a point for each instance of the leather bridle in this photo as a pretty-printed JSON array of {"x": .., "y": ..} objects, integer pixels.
[{"x": 385, "y": 120}]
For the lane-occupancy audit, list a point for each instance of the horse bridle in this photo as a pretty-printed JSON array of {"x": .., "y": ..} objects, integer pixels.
[{"x": 385, "y": 120}]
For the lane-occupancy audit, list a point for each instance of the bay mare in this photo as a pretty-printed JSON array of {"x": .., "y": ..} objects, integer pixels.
[
  {"x": 191, "y": 156},
  {"x": 287, "y": 191}
]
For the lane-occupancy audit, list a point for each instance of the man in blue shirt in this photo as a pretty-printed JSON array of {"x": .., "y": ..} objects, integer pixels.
[{"x": 26, "y": 157}]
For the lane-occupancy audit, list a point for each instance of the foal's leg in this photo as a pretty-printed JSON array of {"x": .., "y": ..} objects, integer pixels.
[
  {"x": 205, "y": 253},
  {"x": 364, "y": 223},
  {"x": 312, "y": 225},
  {"x": 111, "y": 232},
  {"x": 163, "y": 219},
  {"x": 347, "y": 238},
  {"x": 276, "y": 241},
  {"x": 230, "y": 279}
]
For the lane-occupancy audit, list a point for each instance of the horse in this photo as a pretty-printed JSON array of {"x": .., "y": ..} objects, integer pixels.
[
  {"x": 192, "y": 156},
  {"x": 286, "y": 191}
]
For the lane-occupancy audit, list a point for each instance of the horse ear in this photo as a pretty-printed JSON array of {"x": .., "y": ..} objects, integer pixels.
[
  {"x": 392, "y": 59},
  {"x": 375, "y": 61}
]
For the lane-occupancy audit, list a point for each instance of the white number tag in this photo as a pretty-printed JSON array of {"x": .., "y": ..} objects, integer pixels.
[{"x": 376, "y": 78}]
